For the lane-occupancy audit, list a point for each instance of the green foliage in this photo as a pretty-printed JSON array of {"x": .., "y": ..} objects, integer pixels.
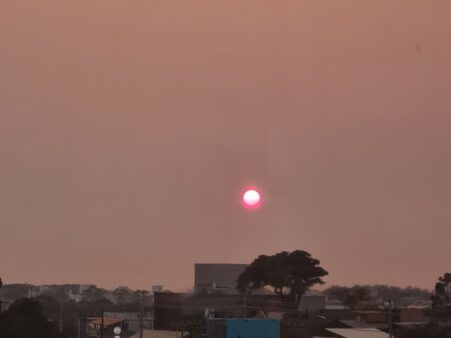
[
  {"x": 25, "y": 319},
  {"x": 287, "y": 272}
]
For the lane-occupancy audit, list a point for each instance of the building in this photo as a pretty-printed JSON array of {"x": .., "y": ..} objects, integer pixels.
[
  {"x": 243, "y": 328},
  {"x": 217, "y": 278},
  {"x": 69, "y": 291},
  {"x": 94, "y": 327},
  {"x": 159, "y": 334},
  {"x": 372, "y": 317},
  {"x": 157, "y": 288},
  {"x": 133, "y": 319},
  {"x": 358, "y": 333},
  {"x": 174, "y": 310},
  {"x": 312, "y": 303},
  {"x": 413, "y": 314}
]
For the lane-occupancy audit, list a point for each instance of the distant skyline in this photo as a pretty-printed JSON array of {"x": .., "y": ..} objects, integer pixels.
[{"x": 128, "y": 131}]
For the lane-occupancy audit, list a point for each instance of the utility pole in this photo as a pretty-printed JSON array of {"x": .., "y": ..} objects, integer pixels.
[
  {"x": 245, "y": 305},
  {"x": 390, "y": 319},
  {"x": 101, "y": 325},
  {"x": 141, "y": 315},
  {"x": 61, "y": 326},
  {"x": 61, "y": 316},
  {"x": 79, "y": 324}
]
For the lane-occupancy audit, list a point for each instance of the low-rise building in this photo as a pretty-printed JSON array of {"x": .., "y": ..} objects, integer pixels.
[
  {"x": 133, "y": 319},
  {"x": 372, "y": 316},
  {"x": 217, "y": 278},
  {"x": 94, "y": 326},
  {"x": 412, "y": 314},
  {"x": 312, "y": 303}
]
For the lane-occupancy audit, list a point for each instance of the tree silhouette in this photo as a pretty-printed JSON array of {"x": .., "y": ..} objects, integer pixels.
[
  {"x": 442, "y": 298},
  {"x": 288, "y": 273},
  {"x": 349, "y": 297},
  {"x": 25, "y": 319},
  {"x": 93, "y": 294}
]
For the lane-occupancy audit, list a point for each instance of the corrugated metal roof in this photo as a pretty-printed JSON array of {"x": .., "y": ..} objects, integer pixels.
[
  {"x": 359, "y": 333},
  {"x": 107, "y": 321}
]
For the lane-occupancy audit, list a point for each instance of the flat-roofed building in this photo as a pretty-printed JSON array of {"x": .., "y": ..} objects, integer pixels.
[{"x": 217, "y": 278}]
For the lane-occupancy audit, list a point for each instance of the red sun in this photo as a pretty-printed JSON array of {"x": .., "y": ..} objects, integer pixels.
[{"x": 251, "y": 198}]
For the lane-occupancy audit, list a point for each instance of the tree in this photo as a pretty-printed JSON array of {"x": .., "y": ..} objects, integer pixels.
[
  {"x": 442, "y": 298},
  {"x": 93, "y": 294},
  {"x": 25, "y": 319},
  {"x": 349, "y": 297},
  {"x": 288, "y": 273}
]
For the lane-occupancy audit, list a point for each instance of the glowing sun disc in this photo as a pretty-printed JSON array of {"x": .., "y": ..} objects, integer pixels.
[{"x": 251, "y": 198}]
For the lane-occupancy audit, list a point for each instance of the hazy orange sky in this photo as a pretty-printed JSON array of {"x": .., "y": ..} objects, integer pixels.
[{"x": 128, "y": 129}]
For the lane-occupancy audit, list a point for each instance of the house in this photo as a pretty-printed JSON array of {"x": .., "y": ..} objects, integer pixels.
[
  {"x": 94, "y": 326},
  {"x": 243, "y": 328},
  {"x": 411, "y": 314},
  {"x": 372, "y": 316},
  {"x": 69, "y": 291}
]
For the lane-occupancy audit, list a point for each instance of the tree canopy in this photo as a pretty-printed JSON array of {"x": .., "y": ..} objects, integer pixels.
[
  {"x": 93, "y": 294},
  {"x": 441, "y": 300},
  {"x": 288, "y": 273},
  {"x": 349, "y": 297},
  {"x": 25, "y": 319}
]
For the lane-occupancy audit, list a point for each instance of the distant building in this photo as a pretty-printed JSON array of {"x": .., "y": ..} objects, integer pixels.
[
  {"x": 217, "y": 278},
  {"x": 157, "y": 288},
  {"x": 243, "y": 328},
  {"x": 312, "y": 303},
  {"x": 69, "y": 291},
  {"x": 15, "y": 291}
]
